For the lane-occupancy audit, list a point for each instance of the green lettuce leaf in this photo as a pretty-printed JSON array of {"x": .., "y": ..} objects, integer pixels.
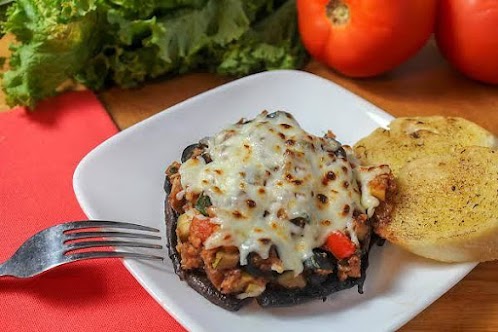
[
  {"x": 125, "y": 42},
  {"x": 273, "y": 43},
  {"x": 55, "y": 42}
]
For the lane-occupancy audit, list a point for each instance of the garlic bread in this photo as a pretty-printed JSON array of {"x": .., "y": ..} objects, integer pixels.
[
  {"x": 410, "y": 138},
  {"x": 447, "y": 206}
]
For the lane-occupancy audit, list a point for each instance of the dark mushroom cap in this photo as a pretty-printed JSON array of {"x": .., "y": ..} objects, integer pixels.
[{"x": 273, "y": 296}]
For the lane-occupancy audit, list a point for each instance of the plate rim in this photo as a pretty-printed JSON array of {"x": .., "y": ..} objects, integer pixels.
[{"x": 174, "y": 311}]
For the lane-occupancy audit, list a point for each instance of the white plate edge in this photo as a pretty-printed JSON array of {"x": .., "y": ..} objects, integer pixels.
[{"x": 175, "y": 311}]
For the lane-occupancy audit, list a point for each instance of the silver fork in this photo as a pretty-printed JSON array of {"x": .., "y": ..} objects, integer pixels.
[{"x": 56, "y": 245}]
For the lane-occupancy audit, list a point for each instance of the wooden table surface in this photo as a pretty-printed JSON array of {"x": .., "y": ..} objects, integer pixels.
[{"x": 425, "y": 85}]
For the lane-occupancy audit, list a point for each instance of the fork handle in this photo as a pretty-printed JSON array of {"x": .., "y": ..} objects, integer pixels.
[{"x": 4, "y": 270}]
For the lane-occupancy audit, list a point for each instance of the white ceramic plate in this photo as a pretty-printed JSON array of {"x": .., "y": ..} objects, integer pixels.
[{"x": 122, "y": 179}]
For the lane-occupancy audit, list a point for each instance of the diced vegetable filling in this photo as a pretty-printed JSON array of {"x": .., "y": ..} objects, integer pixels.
[{"x": 288, "y": 239}]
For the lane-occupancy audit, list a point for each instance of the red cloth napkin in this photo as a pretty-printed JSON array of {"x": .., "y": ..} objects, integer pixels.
[{"x": 38, "y": 154}]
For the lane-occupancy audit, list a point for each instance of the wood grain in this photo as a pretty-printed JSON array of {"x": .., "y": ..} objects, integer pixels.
[{"x": 425, "y": 85}]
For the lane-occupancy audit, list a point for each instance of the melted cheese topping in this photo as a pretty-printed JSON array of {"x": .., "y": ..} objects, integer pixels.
[
  {"x": 273, "y": 184},
  {"x": 365, "y": 175}
]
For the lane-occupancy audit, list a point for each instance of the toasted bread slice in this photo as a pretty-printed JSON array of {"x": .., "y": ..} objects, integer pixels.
[
  {"x": 411, "y": 138},
  {"x": 447, "y": 206}
]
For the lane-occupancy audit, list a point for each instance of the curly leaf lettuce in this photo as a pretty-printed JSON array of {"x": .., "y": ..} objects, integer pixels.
[
  {"x": 273, "y": 43},
  {"x": 125, "y": 42},
  {"x": 47, "y": 54}
]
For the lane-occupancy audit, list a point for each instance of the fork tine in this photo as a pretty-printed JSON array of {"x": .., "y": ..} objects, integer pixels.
[
  {"x": 87, "y": 235},
  {"x": 96, "y": 244},
  {"x": 105, "y": 223},
  {"x": 111, "y": 254}
]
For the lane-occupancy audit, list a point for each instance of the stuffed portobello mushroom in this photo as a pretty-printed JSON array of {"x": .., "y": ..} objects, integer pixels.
[{"x": 263, "y": 210}]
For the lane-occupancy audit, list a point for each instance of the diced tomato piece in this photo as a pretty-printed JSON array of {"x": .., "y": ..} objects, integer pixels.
[
  {"x": 340, "y": 245},
  {"x": 202, "y": 228}
]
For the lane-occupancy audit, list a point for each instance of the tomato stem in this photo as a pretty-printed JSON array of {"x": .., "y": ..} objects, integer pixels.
[{"x": 338, "y": 12}]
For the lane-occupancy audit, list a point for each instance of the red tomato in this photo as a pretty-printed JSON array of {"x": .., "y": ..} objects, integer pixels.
[
  {"x": 467, "y": 35},
  {"x": 340, "y": 245},
  {"x": 201, "y": 228},
  {"x": 362, "y": 38}
]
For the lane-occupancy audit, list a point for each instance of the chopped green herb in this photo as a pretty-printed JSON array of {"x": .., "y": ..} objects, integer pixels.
[{"x": 203, "y": 202}]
